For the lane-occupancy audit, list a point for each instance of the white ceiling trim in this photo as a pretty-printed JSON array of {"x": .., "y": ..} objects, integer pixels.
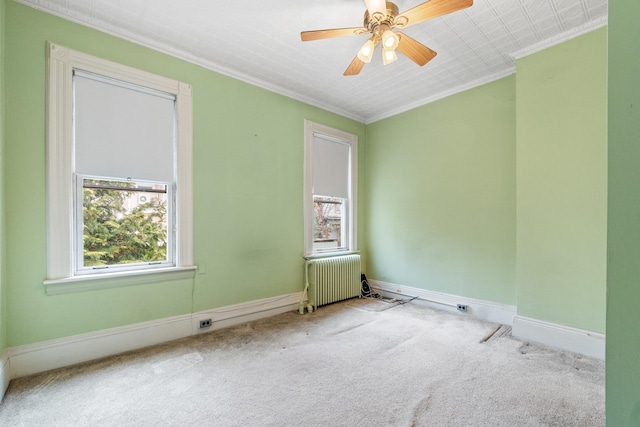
[
  {"x": 561, "y": 38},
  {"x": 444, "y": 94},
  {"x": 176, "y": 53},
  {"x": 537, "y": 47},
  {"x": 488, "y": 38}
]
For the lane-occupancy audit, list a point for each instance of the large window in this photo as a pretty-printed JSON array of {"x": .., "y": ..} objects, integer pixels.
[
  {"x": 330, "y": 190},
  {"x": 118, "y": 170}
]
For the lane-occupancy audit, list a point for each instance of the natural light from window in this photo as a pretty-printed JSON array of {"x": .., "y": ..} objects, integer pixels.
[{"x": 124, "y": 223}]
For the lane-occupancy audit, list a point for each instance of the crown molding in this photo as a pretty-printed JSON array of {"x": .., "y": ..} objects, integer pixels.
[
  {"x": 185, "y": 56},
  {"x": 246, "y": 78},
  {"x": 561, "y": 38},
  {"x": 461, "y": 88}
]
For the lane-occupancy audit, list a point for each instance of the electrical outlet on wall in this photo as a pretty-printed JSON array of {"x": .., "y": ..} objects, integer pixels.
[{"x": 202, "y": 268}]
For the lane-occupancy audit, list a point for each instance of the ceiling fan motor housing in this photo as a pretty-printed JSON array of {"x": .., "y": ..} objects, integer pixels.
[{"x": 374, "y": 22}]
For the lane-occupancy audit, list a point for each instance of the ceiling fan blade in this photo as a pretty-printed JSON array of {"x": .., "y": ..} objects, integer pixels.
[
  {"x": 374, "y": 6},
  {"x": 328, "y": 34},
  {"x": 354, "y": 68},
  {"x": 416, "y": 51},
  {"x": 429, "y": 10}
]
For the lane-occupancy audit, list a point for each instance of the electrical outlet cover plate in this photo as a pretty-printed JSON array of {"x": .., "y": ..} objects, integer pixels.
[
  {"x": 462, "y": 308},
  {"x": 205, "y": 323}
]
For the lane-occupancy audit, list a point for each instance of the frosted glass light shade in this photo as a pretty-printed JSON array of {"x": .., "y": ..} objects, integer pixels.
[
  {"x": 390, "y": 39},
  {"x": 366, "y": 51},
  {"x": 376, "y": 6},
  {"x": 388, "y": 56}
]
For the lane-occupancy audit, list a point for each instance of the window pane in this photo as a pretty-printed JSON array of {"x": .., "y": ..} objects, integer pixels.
[
  {"x": 123, "y": 222},
  {"x": 328, "y": 223}
]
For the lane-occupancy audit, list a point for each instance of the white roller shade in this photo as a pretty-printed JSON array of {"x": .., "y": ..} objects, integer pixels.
[
  {"x": 123, "y": 130},
  {"x": 330, "y": 167}
]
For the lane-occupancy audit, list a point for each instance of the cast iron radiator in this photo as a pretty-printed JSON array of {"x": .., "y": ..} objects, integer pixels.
[{"x": 333, "y": 279}]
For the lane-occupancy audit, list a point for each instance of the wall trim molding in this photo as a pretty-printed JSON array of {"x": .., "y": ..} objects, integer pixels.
[
  {"x": 62, "y": 264},
  {"x": 46, "y": 355},
  {"x": 281, "y": 90},
  {"x": 164, "y": 48},
  {"x": 564, "y": 337},
  {"x": 230, "y": 315},
  {"x": 38, "y": 357},
  {"x": 444, "y": 94},
  {"x": 5, "y": 373},
  {"x": 485, "y": 310},
  {"x": 93, "y": 282},
  {"x": 561, "y": 38}
]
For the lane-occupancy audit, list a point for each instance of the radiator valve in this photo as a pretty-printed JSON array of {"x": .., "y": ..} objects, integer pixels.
[{"x": 301, "y": 308}]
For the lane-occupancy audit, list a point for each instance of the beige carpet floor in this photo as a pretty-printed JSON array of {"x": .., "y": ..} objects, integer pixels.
[{"x": 355, "y": 363}]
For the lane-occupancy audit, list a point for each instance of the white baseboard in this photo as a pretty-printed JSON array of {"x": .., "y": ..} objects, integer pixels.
[
  {"x": 5, "y": 373},
  {"x": 565, "y": 337},
  {"x": 485, "y": 310},
  {"x": 245, "y": 312},
  {"x": 46, "y": 355},
  {"x": 43, "y": 356}
]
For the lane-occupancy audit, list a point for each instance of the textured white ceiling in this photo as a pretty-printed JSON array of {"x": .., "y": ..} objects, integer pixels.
[{"x": 259, "y": 42}]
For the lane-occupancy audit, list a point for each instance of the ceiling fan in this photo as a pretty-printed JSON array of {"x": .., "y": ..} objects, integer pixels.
[{"x": 380, "y": 18}]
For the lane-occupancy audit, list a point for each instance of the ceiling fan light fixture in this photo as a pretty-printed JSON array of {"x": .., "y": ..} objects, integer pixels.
[
  {"x": 388, "y": 56},
  {"x": 366, "y": 51},
  {"x": 390, "y": 40},
  {"x": 380, "y": 19}
]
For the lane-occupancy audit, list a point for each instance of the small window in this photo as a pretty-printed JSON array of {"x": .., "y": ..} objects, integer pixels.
[
  {"x": 123, "y": 224},
  {"x": 330, "y": 190}
]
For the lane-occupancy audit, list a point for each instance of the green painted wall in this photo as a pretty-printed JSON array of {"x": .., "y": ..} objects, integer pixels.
[
  {"x": 3, "y": 294},
  {"x": 623, "y": 269},
  {"x": 441, "y": 195},
  {"x": 248, "y": 170},
  {"x": 561, "y": 182},
  {"x": 438, "y": 210}
]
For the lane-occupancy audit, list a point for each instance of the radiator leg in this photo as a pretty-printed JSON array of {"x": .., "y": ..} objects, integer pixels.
[{"x": 301, "y": 308}]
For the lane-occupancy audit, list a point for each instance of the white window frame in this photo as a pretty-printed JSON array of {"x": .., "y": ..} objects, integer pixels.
[
  {"x": 61, "y": 268},
  {"x": 311, "y": 128}
]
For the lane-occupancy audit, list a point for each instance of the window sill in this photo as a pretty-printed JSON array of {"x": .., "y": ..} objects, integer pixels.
[
  {"x": 93, "y": 282},
  {"x": 330, "y": 254}
]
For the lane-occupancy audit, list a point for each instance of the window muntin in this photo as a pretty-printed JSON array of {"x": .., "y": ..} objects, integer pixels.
[{"x": 123, "y": 225}]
